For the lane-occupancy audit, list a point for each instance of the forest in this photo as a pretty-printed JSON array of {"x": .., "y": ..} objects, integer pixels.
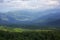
[{"x": 7, "y": 33}]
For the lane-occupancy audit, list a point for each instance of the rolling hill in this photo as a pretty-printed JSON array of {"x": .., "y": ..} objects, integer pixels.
[{"x": 27, "y": 18}]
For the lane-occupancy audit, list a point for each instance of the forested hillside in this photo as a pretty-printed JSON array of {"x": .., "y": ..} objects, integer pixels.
[{"x": 27, "y": 34}]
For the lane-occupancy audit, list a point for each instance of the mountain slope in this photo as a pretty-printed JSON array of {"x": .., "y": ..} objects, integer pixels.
[{"x": 26, "y": 18}]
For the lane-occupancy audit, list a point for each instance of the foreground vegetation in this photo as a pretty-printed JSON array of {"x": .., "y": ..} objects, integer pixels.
[{"x": 26, "y": 34}]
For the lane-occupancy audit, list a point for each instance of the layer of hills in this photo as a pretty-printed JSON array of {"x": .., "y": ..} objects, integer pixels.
[{"x": 27, "y": 18}]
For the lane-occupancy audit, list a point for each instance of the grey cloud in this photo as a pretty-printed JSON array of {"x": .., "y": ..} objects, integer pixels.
[
  {"x": 29, "y": 4},
  {"x": 1, "y": 1},
  {"x": 24, "y": 0}
]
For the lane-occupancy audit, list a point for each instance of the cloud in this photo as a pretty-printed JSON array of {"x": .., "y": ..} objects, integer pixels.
[
  {"x": 25, "y": 19},
  {"x": 1, "y": 1},
  {"x": 28, "y": 4}
]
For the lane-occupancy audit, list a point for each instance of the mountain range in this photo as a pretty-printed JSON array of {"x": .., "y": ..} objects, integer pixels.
[{"x": 26, "y": 17}]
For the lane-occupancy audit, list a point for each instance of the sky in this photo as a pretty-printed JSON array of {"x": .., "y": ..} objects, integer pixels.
[
  {"x": 9, "y": 5},
  {"x": 31, "y": 5}
]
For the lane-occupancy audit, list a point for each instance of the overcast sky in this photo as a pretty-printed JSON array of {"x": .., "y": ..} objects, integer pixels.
[
  {"x": 11, "y": 5},
  {"x": 6, "y": 5}
]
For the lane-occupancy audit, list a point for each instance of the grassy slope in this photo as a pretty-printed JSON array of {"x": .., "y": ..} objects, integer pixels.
[
  {"x": 27, "y": 34},
  {"x": 22, "y": 30}
]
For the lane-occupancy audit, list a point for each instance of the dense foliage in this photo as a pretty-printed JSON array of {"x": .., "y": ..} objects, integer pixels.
[{"x": 25, "y": 34}]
